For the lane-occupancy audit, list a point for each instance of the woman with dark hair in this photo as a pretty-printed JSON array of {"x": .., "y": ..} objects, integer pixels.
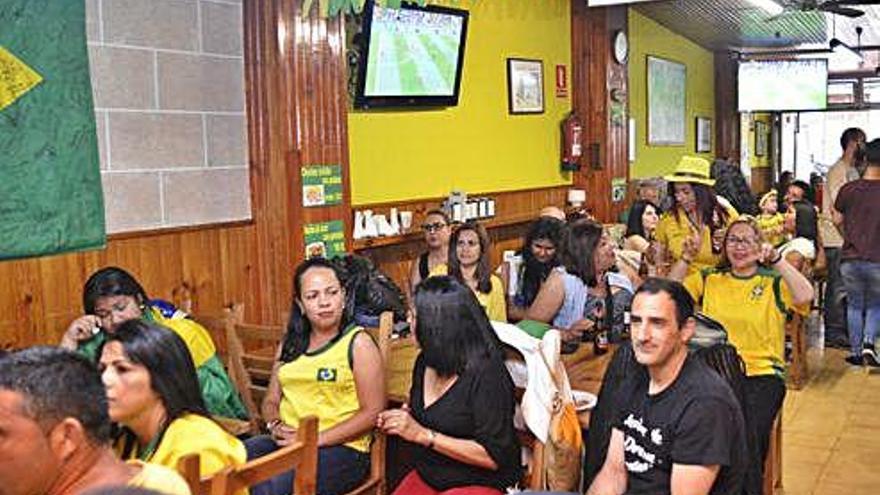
[
  {"x": 468, "y": 262},
  {"x": 461, "y": 403},
  {"x": 751, "y": 293},
  {"x": 801, "y": 226},
  {"x": 328, "y": 368},
  {"x": 640, "y": 226},
  {"x": 112, "y": 296},
  {"x": 524, "y": 276},
  {"x": 695, "y": 215},
  {"x": 732, "y": 185},
  {"x": 155, "y": 400},
  {"x": 576, "y": 285}
]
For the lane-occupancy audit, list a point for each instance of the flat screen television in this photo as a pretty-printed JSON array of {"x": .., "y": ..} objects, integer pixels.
[
  {"x": 411, "y": 56},
  {"x": 783, "y": 85}
]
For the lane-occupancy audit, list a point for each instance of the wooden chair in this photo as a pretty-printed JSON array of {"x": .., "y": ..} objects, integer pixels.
[
  {"x": 773, "y": 462},
  {"x": 302, "y": 456},
  {"x": 251, "y": 350},
  {"x": 796, "y": 332},
  {"x": 375, "y": 482}
]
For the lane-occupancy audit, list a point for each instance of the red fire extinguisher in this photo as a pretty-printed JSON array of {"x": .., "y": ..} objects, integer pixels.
[{"x": 572, "y": 130}]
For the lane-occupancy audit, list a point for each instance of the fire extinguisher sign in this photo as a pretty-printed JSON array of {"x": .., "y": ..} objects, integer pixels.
[{"x": 561, "y": 82}]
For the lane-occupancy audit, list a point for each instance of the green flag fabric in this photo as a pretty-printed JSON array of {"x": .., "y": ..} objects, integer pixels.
[{"x": 50, "y": 184}]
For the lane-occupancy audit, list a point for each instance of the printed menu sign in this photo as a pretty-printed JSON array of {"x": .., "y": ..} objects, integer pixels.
[
  {"x": 325, "y": 239},
  {"x": 321, "y": 185}
]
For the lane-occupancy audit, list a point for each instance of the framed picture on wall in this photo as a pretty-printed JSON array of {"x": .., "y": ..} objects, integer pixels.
[
  {"x": 761, "y": 136},
  {"x": 525, "y": 86},
  {"x": 667, "y": 101},
  {"x": 704, "y": 135}
]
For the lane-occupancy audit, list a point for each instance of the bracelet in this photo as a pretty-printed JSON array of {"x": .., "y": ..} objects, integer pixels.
[
  {"x": 777, "y": 259},
  {"x": 431, "y": 437}
]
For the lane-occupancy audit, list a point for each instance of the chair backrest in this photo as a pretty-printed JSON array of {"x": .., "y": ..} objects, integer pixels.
[
  {"x": 251, "y": 350},
  {"x": 375, "y": 482},
  {"x": 302, "y": 456}
]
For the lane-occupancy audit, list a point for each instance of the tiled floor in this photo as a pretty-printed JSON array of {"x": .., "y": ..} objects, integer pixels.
[{"x": 831, "y": 429}]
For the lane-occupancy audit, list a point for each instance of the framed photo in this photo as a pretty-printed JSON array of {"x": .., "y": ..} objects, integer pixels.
[
  {"x": 525, "y": 86},
  {"x": 667, "y": 92},
  {"x": 761, "y": 136},
  {"x": 704, "y": 135}
]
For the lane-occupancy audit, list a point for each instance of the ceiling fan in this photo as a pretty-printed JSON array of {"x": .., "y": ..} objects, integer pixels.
[{"x": 839, "y": 7}]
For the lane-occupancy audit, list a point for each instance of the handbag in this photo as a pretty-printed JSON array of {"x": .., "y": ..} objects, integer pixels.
[{"x": 563, "y": 451}]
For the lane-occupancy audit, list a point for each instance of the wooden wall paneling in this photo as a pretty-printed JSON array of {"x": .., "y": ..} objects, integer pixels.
[
  {"x": 727, "y": 125},
  {"x": 594, "y": 75}
]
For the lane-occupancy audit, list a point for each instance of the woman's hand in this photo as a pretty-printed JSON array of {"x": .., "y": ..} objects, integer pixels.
[
  {"x": 768, "y": 255},
  {"x": 401, "y": 423},
  {"x": 82, "y": 328},
  {"x": 575, "y": 332},
  {"x": 691, "y": 246},
  {"x": 282, "y": 434}
]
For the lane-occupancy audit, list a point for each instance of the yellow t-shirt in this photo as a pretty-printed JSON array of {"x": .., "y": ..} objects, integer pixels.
[
  {"x": 321, "y": 383},
  {"x": 158, "y": 478},
  {"x": 672, "y": 232},
  {"x": 192, "y": 433},
  {"x": 772, "y": 227},
  {"x": 197, "y": 339},
  {"x": 494, "y": 302},
  {"x": 753, "y": 310}
]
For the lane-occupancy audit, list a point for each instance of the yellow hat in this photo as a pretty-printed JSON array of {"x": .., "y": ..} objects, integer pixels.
[
  {"x": 770, "y": 196},
  {"x": 692, "y": 169}
]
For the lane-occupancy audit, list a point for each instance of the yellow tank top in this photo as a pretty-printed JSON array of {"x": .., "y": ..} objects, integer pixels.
[{"x": 321, "y": 383}]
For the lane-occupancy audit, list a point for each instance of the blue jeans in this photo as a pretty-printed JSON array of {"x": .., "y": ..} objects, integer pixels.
[
  {"x": 340, "y": 468},
  {"x": 862, "y": 282},
  {"x": 834, "y": 304}
]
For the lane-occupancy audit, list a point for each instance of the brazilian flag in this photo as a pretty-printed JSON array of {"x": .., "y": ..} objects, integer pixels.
[{"x": 50, "y": 183}]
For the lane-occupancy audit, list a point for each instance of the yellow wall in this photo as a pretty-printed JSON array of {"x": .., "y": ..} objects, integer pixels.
[
  {"x": 755, "y": 160},
  {"x": 650, "y": 38},
  {"x": 476, "y": 146}
]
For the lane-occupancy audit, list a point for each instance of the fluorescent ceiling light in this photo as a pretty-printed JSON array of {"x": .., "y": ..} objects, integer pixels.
[
  {"x": 769, "y": 6},
  {"x": 842, "y": 49}
]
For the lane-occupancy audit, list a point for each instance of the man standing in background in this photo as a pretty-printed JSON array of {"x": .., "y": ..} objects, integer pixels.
[{"x": 834, "y": 310}]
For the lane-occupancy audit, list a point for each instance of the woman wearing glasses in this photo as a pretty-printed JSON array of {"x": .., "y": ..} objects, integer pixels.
[
  {"x": 437, "y": 230},
  {"x": 751, "y": 293},
  {"x": 695, "y": 213}
]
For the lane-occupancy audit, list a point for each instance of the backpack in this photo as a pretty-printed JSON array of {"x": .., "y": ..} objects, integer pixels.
[{"x": 369, "y": 292}]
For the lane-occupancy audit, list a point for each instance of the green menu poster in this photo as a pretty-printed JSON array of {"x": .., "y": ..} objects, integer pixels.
[
  {"x": 321, "y": 185},
  {"x": 325, "y": 239}
]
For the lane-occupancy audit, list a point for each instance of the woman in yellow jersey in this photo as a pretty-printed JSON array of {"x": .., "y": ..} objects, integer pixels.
[
  {"x": 751, "y": 294},
  {"x": 112, "y": 296},
  {"x": 695, "y": 210},
  {"x": 468, "y": 263},
  {"x": 155, "y": 401},
  {"x": 329, "y": 369}
]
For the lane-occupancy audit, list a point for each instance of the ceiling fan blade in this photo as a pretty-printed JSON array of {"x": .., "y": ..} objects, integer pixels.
[
  {"x": 840, "y": 3},
  {"x": 844, "y": 11}
]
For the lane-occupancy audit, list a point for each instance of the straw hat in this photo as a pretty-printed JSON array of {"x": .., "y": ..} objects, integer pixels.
[{"x": 692, "y": 169}]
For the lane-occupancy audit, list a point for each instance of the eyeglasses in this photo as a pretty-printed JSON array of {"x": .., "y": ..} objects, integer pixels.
[
  {"x": 433, "y": 227},
  {"x": 740, "y": 241}
]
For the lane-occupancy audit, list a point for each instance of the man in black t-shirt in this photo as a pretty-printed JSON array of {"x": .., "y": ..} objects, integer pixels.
[{"x": 680, "y": 429}]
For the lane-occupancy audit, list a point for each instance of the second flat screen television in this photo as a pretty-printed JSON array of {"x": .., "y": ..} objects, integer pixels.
[
  {"x": 783, "y": 85},
  {"x": 413, "y": 56}
]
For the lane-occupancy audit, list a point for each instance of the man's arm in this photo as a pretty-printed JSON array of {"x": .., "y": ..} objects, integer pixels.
[
  {"x": 693, "y": 480},
  {"x": 611, "y": 480}
]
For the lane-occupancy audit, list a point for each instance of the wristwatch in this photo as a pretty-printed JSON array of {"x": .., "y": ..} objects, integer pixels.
[{"x": 431, "y": 437}]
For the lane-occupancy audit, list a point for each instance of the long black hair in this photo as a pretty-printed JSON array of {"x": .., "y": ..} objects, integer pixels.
[
  {"x": 452, "y": 328},
  {"x": 535, "y": 272},
  {"x": 170, "y": 365},
  {"x": 483, "y": 272},
  {"x": 712, "y": 214},
  {"x": 580, "y": 244},
  {"x": 730, "y": 183},
  {"x": 111, "y": 281},
  {"x": 806, "y": 222},
  {"x": 634, "y": 225},
  {"x": 299, "y": 329}
]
